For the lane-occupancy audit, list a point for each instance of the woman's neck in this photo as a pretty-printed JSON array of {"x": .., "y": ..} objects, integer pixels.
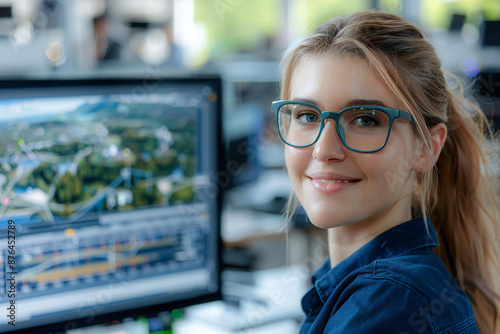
[{"x": 345, "y": 240}]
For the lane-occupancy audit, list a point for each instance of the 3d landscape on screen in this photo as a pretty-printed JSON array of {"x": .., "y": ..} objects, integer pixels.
[{"x": 60, "y": 160}]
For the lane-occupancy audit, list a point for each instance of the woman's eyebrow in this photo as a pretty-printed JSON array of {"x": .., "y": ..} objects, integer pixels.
[
  {"x": 350, "y": 103},
  {"x": 364, "y": 102},
  {"x": 306, "y": 100}
]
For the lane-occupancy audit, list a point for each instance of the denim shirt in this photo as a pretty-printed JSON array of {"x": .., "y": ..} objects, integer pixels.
[{"x": 393, "y": 284}]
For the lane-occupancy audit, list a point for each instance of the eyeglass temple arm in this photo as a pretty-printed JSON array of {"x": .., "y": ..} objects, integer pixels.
[{"x": 406, "y": 116}]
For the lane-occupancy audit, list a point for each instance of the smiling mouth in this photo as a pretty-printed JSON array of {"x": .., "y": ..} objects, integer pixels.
[
  {"x": 329, "y": 186},
  {"x": 336, "y": 181}
]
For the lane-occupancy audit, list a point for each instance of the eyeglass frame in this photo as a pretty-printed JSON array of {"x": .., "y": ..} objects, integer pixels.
[{"x": 391, "y": 112}]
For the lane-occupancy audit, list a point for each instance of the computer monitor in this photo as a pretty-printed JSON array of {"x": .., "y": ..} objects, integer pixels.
[
  {"x": 489, "y": 35},
  {"x": 457, "y": 22},
  {"x": 109, "y": 205}
]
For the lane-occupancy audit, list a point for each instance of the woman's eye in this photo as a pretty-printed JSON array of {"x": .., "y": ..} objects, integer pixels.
[
  {"x": 365, "y": 121},
  {"x": 308, "y": 118}
]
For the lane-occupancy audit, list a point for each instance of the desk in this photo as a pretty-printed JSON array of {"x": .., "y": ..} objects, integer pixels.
[
  {"x": 271, "y": 306},
  {"x": 239, "y": 227}
]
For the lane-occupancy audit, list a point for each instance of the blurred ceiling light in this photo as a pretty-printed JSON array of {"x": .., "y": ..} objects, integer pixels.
[
  {"x": 471, "y": 65},
  {"x": 470, "y": 33},
  {"x": 22, "y": 34},
  {"x": 56, "y": 53},
  {"x": 155, "y": 48}
]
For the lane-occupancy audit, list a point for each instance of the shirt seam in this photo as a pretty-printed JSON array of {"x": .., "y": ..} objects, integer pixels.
[
  {"x": 420, "y": 246},
  {"x": 461, "y": 325},
  {"x": 410, "y": 288}
]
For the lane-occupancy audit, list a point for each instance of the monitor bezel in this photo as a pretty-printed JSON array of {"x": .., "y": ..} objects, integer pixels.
[{"x": 214, "y": 81}]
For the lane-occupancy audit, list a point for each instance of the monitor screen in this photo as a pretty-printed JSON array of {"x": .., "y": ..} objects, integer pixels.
[
  {"x": 109, "y": 200},
  {"x": 457, "y": 22},
  {"x": 489, "y": 33}
]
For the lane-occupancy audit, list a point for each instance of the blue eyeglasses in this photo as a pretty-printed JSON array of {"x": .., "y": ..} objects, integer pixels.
[{"x": 363, "y": 129}]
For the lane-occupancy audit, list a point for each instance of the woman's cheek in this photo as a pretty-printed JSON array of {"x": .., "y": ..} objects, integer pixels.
[{"x": 296, "y": 161}]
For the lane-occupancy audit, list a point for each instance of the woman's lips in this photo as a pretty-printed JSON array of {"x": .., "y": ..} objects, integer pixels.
[{"x": 329, "y": 186}]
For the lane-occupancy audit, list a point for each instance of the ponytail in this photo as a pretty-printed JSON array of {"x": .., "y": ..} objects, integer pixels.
[{"x": 464, "y": 207}]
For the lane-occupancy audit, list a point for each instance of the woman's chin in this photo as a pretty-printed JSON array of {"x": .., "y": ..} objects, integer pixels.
[{"x": 325, "y": 223}]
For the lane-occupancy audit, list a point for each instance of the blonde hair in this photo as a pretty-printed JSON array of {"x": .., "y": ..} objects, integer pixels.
[{"x": 459, "y": 193}]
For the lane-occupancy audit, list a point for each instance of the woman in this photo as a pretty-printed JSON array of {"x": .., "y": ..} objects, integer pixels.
[{"x": 371, "y": 130}]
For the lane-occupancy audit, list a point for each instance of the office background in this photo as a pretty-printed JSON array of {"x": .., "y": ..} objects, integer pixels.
[{"x": 240, "y": 40}]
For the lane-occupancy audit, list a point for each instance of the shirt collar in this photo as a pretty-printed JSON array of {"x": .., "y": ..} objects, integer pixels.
[{"x": 396, "y": 241}]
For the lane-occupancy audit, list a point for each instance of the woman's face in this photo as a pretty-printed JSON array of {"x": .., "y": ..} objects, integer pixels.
[{"x": 379, "y": 184}]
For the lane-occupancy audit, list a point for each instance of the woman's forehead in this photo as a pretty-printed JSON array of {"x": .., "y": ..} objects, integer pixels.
[{"x": 332, "y": 81}]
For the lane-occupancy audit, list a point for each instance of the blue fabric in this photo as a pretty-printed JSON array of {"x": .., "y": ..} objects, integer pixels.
[{"x": 393, "y": 284}]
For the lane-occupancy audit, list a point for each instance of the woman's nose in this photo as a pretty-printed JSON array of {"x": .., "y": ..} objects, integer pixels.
[{"x": 329, "y": 146}]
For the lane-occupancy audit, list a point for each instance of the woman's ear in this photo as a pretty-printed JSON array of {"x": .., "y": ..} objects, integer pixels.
[{"x": 426, "y": 161}]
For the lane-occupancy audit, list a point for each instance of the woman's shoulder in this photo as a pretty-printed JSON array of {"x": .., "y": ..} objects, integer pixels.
[
  {"x": 415, "y": 289},
  {"x": 397, "y": 300},
  {"x": 411, "y": 268},
  {"x": 425, "y": 275}
]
